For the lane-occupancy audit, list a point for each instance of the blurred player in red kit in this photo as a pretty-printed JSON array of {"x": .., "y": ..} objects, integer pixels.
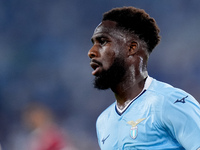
[{"x": 46, "y": 135}]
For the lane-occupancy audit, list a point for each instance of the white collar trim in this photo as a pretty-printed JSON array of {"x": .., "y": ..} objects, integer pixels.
[{"x": 146, "y": 86}]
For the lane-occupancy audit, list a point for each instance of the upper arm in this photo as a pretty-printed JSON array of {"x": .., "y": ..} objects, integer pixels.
[{"x": 182, "y": 120}]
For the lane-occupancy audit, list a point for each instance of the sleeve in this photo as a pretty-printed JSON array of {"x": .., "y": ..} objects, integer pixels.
[{"x": 181, "y": 117}]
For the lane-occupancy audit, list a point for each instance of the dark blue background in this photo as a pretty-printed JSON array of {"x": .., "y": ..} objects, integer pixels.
[{"x": 43, "y": 57}]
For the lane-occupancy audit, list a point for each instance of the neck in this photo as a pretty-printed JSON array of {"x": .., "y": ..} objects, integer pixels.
[{"x": 128, "y": 90}]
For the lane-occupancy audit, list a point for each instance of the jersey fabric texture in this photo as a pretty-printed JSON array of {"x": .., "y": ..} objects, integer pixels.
[{"x": 160, "y": 118}]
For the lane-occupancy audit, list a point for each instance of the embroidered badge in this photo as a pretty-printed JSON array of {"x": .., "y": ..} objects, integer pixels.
[{"x": 134, "y": 128}]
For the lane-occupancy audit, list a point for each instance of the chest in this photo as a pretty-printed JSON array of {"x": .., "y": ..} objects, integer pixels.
[
  {"x": 134, "y": 130},
  {"x": 125, "y": 131}
]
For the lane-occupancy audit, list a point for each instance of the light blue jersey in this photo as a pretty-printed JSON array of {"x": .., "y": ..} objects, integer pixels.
[{"x": 160, "y": 118}]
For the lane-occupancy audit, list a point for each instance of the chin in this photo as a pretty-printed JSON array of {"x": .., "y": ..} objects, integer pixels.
[{"x": 101, "y": 84}]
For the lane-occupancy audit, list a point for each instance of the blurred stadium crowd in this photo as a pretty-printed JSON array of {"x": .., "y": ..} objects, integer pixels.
[{"x": 43, "y": 59}]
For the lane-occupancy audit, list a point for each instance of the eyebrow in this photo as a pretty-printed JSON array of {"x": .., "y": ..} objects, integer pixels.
[
  {"x": 98, "y": 37},
  {"x": 107, "y": 35}
]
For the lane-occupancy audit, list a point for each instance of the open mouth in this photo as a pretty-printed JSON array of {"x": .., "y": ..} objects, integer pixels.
[{"x": 96, "y": 66}]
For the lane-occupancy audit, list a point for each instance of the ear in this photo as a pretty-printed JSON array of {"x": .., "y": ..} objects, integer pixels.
[{"x": 133, "y": 48}]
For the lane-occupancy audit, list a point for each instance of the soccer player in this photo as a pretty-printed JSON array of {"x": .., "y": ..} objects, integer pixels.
[{"x": 147, "y": 114}]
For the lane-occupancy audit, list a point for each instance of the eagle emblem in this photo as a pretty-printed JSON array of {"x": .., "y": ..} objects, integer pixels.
[{"x": 134, "y": 128}]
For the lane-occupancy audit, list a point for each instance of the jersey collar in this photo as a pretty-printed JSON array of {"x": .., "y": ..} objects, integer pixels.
[{"x": 146, "y": 86}]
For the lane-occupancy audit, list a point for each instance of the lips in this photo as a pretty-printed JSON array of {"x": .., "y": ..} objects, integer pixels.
[{"x": 96, "y": 66}]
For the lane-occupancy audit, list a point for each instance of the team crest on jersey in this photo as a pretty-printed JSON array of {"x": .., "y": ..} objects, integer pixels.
[{"x": 134, "y": 128}]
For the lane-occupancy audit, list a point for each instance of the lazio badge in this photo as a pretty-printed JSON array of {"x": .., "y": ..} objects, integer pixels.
[{"x": 134, "y": 128}]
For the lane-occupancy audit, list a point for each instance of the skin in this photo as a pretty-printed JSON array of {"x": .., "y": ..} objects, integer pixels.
[{"x": 108, "y": 43}]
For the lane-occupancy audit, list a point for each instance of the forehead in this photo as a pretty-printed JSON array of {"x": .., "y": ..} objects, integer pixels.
[{"x": 108, "y": 28}]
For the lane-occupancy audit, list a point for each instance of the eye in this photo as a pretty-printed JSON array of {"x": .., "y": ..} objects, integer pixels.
[{"x": 102, "y": 41}]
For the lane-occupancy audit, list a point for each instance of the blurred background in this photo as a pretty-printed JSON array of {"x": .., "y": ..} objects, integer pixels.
[{"x": 43, "y": 59}]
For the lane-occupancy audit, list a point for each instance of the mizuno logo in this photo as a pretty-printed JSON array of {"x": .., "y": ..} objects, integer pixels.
[
  {"x": 104, "y": 139},
  {"x": 181, "y": 100}
]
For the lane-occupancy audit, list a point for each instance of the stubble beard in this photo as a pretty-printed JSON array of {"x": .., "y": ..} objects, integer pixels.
[{"x": 111, "y": 77}]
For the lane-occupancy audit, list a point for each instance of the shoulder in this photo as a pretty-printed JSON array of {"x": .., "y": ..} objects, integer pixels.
[
  {"x": 179, "y": 113},
  {"x": 168, "y": 93},
  {"x": 174, "y": 102},
  {"x": 170, "y": 101}
]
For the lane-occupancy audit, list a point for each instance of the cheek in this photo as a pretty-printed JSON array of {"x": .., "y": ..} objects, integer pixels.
[{"x": 108, "y": 58}]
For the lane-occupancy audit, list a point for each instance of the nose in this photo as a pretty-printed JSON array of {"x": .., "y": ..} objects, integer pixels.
[{"x": 93, "y": 52}]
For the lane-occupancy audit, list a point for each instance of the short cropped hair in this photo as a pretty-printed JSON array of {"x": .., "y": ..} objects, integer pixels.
[{"x": 137, "y": 21}]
